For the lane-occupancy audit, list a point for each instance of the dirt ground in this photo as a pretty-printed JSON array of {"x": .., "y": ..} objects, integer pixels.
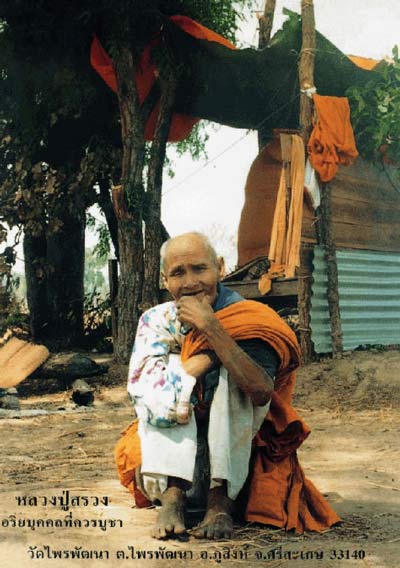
[{"x": 352, "y": 456}]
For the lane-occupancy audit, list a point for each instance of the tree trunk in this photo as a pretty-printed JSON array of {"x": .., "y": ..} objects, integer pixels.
[
  {"x": 154, "y": 233},
  {"x": 130, "y": 206},
  {"x": 54, "y": 270},
  {"x": 129, "y": 286},
  {"x": 265, "y": 22},
  {"x": 65, "y": 291},
  {"x": 35, "y": 253}
]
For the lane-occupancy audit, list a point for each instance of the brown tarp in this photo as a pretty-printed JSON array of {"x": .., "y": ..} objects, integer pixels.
[{"x": 257, "y": 216}]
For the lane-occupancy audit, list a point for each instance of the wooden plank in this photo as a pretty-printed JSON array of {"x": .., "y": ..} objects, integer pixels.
[
  {"x": 357, "y": 213},
  {"x": 249, "y": 290},
  {"x": 286, "y": 152},
  {"x": 364, "y": 182},
  {"x": 362, "y": 213},
  {"x": 360, "y": 224},
  {"x": 349, "y": 244},
  {"x": 367, "y": 171},
  {"x": 362, "y": 191},
  {"x": 379, "y": 237},
  {"x": 18, "y": 360},
  {"x": 385, "y": 238},
  {"x": 308, "y": 228}
]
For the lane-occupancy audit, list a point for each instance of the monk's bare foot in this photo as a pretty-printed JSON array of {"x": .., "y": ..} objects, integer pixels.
[
  {"x": 170, "y": 519},
  {"x": 217, "y": 523}
]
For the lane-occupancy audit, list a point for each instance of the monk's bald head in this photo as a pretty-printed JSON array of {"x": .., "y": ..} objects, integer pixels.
[
  {"x": 190, "y": 267},
  {"x": 188, "y": 241}
]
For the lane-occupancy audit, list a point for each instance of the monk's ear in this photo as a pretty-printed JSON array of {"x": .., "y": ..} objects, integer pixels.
[
  {"x": 221, "y": 266},
  {"x": 164, "y": 280}
]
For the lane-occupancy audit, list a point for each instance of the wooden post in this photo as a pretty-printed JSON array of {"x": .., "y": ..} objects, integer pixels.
[
  {"x": 266, "y": 22},
  {"x": 306, "y": 81},
  {"x": 328, "y": 242},
  {"x": 304, "y": 303},
  {"x": 325, "y": 228},
  {"x": 306, "y": 67},
  {"x": 265, "y": 27}
]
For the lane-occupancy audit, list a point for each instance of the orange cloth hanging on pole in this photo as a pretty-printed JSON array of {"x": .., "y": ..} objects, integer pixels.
[
  {"x": 277, "y": 249},
  {"x": 181, "y": 125},
  {"x": 279, "y": 493},
  {"x": 332, "y": 140},
  {"x": 293, "y": 236},
  {"x": 284, "y": 251}
]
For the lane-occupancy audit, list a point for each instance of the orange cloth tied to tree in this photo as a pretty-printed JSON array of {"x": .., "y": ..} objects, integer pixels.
[
  {"x": 332, "y": 140},
  {"x": 181, "y": 125},
  {"x": 279, "y": 493}
]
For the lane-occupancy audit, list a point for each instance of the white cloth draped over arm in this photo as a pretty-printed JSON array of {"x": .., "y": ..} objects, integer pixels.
[{"x": 156, "y": 378}]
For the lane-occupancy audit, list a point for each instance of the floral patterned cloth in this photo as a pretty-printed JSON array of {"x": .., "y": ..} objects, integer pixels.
[{"x": 157, "y": 381}]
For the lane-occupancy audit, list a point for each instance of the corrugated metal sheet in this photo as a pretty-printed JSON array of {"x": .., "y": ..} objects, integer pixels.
[
  {"x": 320, "y": 322},
  {"x": 369, "y": 299}
]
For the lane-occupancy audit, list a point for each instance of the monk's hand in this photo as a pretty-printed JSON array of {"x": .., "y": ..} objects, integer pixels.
[{"x": 195, "y": 311}]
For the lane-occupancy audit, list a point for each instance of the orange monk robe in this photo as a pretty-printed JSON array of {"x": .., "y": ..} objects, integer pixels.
[
  {"x": 332, "y": 140},
  {"x": 279, "y": 493}
]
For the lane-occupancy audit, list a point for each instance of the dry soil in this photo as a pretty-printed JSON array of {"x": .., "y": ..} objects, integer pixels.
[{"x": 352, "y": 456}]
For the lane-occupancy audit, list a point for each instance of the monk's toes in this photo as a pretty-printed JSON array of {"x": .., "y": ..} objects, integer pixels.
[
  {"x": 179, "y": 529},
  {"x": 217, "y": 528},
  {"x": 158, "y": 532},
  {"x": 218, "y": 534},
  {"x": 161, "y": 531},
  {"x": 211, "y": 532},
  {"x": 198, "y": 532},
  {"x": 224, "y": 534}
]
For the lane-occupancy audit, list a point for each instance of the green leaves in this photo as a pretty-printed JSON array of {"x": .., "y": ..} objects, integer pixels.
[
  {"x": 101, "y": 249},
  {"x": 222, "y": 16},
  {"x": 375, "y": 113}
]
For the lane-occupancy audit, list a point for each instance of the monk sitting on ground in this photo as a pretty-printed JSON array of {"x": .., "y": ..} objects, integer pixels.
[{"x": 211, "y": 349}]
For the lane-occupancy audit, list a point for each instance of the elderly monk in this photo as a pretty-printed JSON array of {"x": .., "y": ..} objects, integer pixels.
[{"x": 222, "y": 352}]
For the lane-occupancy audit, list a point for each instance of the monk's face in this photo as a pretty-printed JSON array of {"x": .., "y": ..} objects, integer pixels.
[{"x": 190, "y": 270}]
